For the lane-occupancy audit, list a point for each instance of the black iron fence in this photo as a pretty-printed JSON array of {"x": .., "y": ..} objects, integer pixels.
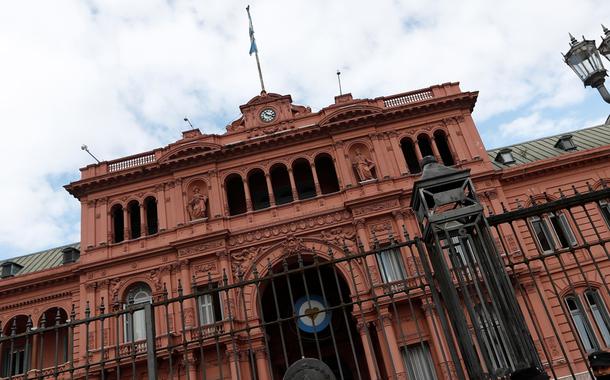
[{"x": 366, "y": 312}]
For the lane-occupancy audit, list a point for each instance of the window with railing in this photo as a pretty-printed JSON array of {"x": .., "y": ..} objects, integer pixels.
[
  {"x": 418, "y": 360},
  {"x": 209, "y": 305},
  {"x": 581, "y": 323},
  {"x": 604, "y": 206},
  {"x": 391, "y": 266},
  {"x": 552, "y": 231},
  {"x": 600, "y": 314}
]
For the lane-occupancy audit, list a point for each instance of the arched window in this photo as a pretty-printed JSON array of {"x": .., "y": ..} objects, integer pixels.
[
  {"x": 53, "y": 346},
  {"x": 327, "y": 175},
  {"x": 133, "y": 208},
  {"x": 443, "y": 148},
  {"x": 424, "y": 145},
  {"x": 13, "y": 360},
  {"x": 135, "y": 321},
  {"x": 236, "y": 197},
  {"x": 152, "y": 220},
  {"x": 581, "y": 323},
  {"x": 303, "y": 179},
  {"x": 280, "y": 182},
  {"x": 118, "y": 224},
  {"x": 408, "y": 150},
  {"x": 259, "y": 194}
]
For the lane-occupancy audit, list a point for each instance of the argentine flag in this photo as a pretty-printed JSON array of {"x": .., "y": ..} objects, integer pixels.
[{"x": 253, "y": 48}]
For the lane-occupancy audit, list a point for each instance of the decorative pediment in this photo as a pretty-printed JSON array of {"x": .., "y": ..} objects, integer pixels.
[
  {"x": 349, "y": 112},
  {"x": 189, "y": 150}
]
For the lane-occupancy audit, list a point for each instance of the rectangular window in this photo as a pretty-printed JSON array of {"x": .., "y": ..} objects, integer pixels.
[
  {"x": 17, "y": 362},
  {"x": 581, "y": 323},
  {"x": 542, "y": 234},
  {"x": 135, "y": 325},
  {"x": 600, "y": 314},
  {"x": 391, "y": 265},
  {"x": 418, "y": 361},
  {"x": 604, "y": 205},
  {"x": 210, "y": 307},
  {"x": 565, "y": 236}
]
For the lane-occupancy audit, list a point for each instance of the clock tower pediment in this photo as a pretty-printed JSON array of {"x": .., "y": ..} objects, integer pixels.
[{"x": 265, "y": 111}]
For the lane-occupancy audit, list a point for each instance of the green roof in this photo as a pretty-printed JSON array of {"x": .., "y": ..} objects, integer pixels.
[
  {"x": 35, "y": 262},
  {"x": 544, "y": 148}
]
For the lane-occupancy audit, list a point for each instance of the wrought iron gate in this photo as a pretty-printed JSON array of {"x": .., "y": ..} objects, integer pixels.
[{"x": 368, "y": 310}]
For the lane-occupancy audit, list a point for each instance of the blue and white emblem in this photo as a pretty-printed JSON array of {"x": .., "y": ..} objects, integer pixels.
[{"x": 313, "y": 316}]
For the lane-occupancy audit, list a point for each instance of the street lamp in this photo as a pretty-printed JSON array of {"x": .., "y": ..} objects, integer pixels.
[{"x": 584, "y": 58}]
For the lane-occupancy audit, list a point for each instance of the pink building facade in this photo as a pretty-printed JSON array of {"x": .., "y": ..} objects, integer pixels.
[{"x": 284, "y": 186}]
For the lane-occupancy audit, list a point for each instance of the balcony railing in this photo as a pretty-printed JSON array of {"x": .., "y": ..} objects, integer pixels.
[
  {"x": 407, "y": 98},
  {"x": 131, "y": 162}
]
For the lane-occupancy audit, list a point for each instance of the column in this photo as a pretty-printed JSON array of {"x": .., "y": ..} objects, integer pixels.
[
  {"x": 369, "y": 259},
  {"x": 247, "y": 195},
  {"x": 270, "y": 190},
  {"x": 390, "y": 335},
  {"x": 215, "y": 195},
  {"x": 161, "y": 211},
  {"x": 315, "y": 178},
  {"x": 109, "y": 227},
  {"x": 444, "y": 361},
  {"x": 417, "y": 152},
  {"x": 293, "y": 186},
  {"x": 126, "y": 224},
  {"x": 343, "y": 167},
  {"x": 382, "y": 169},
  {"x": 262, "y": 364},
  {"x": 437, "y": 154},
  {"x": 369, "y": 355},
  {"x": 143, "y": 221},
  {"x": 398, "y": 155}
]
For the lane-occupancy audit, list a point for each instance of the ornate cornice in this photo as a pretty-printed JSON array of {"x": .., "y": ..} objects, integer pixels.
[{"x": 32, "y": 301}]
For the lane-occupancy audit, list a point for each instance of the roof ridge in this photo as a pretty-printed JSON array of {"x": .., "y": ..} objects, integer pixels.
[
  {"x": 547, "y": 137},
  {"x": 40, "y": 252}
]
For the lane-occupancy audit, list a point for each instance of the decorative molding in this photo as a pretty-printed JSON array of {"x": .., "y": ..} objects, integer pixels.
[
  {"x": 293, "y": 245},
  {"x": 338, "y": 235},
  {"x": 376, "y": 207},
  {"x": 201, "y": 248},
  {"x": 291, "y": 227},
  {"x": 36, "y": 300}
]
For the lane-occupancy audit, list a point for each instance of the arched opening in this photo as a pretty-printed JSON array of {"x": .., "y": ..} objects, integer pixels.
[
  {"x": 133, "y": 209},
  {"x": 327, "y": 175},
  {"x": 408, "y": 151},
  {"x": 310, "y": 312},
  {"x": 52, "y": 348},
  {"x": 259, "y": 194},
  {"x": 303, "y": 179},
  {"x": 135, "y": 320},
  {"x": 118, "y": 224},
  {"x": 425, "y": 147},
  {"x": 440, "y": 138},
  {"x": 152, "y": 219},
  {"x": 16, "y": 354},
  {"x": 280, "y": 182},
  {"x": 236, "y": 197}
]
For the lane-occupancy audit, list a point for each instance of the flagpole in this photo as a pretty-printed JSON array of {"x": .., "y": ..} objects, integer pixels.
[{"x": 254, "y": 48}]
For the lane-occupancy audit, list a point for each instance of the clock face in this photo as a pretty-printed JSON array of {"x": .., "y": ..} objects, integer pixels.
[{"x": 267, "y": 115}]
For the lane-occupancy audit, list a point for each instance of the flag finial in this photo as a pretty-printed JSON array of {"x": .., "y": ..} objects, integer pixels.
[{"x": 254, "y": 49}]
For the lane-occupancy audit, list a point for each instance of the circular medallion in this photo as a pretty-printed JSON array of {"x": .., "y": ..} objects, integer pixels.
[
  {"x": 267, "y": 115},
  {"x": 313, "y": 314},
  {"x": 309, "y": 368}
]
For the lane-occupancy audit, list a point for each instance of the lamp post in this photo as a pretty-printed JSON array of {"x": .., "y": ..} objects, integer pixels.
[{"x": 584, "y": 58}]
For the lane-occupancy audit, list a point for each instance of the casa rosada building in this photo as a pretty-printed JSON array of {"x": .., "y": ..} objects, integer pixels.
[{"x": 205, "y": 227}]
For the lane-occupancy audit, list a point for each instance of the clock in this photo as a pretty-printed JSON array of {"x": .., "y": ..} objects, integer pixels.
[{"x": 267, "y": 115}]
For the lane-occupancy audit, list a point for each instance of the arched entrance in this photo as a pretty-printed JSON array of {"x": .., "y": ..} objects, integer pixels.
[{"x": 307, "y": 312}]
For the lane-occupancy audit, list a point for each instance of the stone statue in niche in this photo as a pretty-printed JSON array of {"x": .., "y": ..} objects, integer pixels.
[
  {"x": 197, "y": 205},
  {"x": 364, "y": 166}
]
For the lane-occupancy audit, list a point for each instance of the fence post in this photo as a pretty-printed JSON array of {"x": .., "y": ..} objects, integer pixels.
[
  {"x": 151, "y": 347},
  {"x": 474, "y": 286}
]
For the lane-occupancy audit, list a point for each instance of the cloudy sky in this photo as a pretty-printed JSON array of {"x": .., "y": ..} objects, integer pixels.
[{"x": 120, "y": 76}]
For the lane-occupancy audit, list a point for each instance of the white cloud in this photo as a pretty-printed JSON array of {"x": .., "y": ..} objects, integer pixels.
[{"x": 121, "y": 75}]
